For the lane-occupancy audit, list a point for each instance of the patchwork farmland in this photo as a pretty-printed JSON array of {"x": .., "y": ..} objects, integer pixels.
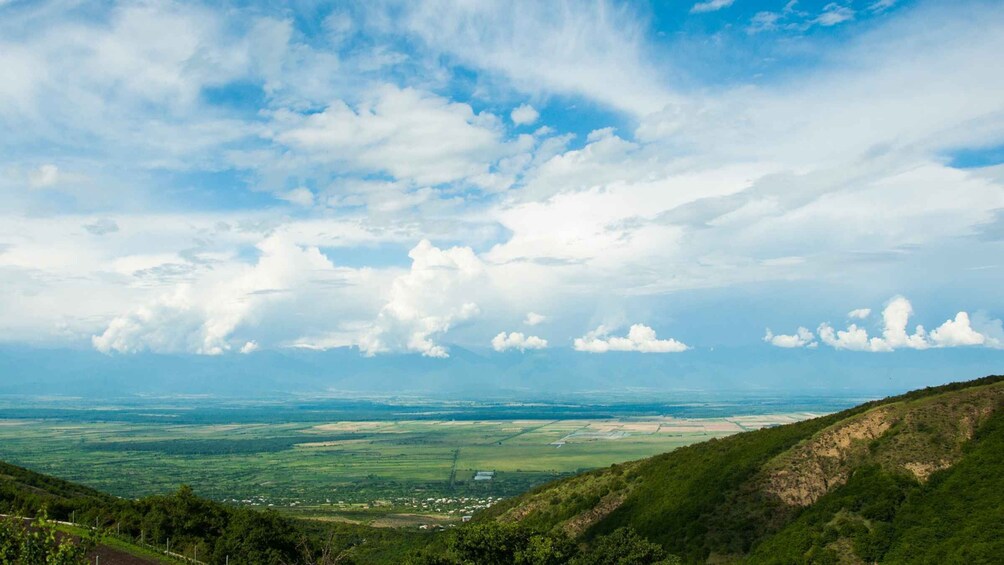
[{"x": 403, "y": 472}]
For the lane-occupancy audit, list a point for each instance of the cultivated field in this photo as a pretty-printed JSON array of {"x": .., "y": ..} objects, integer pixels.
[{"x": 404, "y": 472}]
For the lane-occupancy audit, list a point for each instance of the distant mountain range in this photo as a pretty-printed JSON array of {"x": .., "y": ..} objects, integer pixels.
[{"x": 558, "y": 373}]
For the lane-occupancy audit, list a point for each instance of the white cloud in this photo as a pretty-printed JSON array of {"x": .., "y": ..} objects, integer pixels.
[
  {"x": 533, "y": 319},
  {"x": 834, "y": 14},
  {"x": 202, "y": 318},
  {"x": 640, "y": 338},
  {"x": 859, "y": 313},
  {"x": 896, "y": 316},
  {"x": 957, "y": 332},
  {"x": 524, "y": 115},
  {"x": 436, "y": 293},
  {"x": 44, "y": 176},
  {"x": 803, "y": 337},
  {"x": 881, "y": 5},
  {"x": 764, "y": 21},
  {"x": 413, "y": 135},
  {"x": 516, "y": 340},
  {"x": 299, "y": 196},
  {"x": 595, "y": 50},
  {"x": 853, "y": 338},
  {"x": 710, "y": 6},
  {"x": 249, "y": 347}
]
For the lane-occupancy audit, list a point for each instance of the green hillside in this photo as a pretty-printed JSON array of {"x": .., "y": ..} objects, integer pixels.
[
  {"x": 914, "y": 478},
  {"x": 196, "y": 526}
]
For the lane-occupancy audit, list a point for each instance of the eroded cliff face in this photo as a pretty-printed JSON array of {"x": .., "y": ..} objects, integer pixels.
[
  {"x": 811, "y": 469},
  {"x": 578, "y": 524},
  {"x": 919, "y": 437}
]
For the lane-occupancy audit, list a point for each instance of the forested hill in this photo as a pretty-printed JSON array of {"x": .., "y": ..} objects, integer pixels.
[
  {"x": 215, "y": 532},
  {"x": 917, "y": 478}
]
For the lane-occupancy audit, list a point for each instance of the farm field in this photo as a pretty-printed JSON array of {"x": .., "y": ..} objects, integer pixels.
[{"x": 392, "y": 473}]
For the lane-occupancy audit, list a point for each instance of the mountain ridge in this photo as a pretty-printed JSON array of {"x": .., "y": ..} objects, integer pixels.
[{"x": 722, "y": 499}]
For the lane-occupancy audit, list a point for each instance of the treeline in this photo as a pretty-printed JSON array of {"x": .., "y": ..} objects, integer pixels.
[
  {"x": 215, "y": 446},
  {"x": 198, "y": 526},
  {"x": 512, "y": 543}
]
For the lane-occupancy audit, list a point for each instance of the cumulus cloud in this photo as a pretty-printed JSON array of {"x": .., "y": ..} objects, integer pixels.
[
  {"x": 955, "y": 332},
  {"x": 524, "y": 115},
  {"x": 249, "y": 347},
  {"x": 640, "y": 338},
  {"x": 516, "y": 340},
  {"x": 859, "y": 313},
  {"x": 202, "y": 318},
  {"x": 426, "y": 302},
  {"x": 853, "y": 338},
  {"x": 803, "y": 337},
  {"x": 895, "y": 317},
  {"x": 710, "y": 6},
  {"x": 533, "y": 319}
]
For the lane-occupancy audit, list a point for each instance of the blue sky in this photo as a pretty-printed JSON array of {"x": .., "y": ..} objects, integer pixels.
[{"x": 403, "y": 177}]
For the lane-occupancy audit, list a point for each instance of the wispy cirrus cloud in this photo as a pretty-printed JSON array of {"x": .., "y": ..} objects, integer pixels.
[{"x": 710, "y": 6}]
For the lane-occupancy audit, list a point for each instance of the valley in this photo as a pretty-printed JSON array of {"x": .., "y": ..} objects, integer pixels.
[{"x": 402, "y": 473}]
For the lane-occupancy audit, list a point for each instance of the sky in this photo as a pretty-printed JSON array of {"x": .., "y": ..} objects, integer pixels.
[{"x": 659, "y": 179}]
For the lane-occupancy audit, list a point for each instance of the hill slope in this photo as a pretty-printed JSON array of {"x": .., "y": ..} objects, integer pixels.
[
  {"x": 914, "y": 478},
  {"x": 217, "y": 533}
]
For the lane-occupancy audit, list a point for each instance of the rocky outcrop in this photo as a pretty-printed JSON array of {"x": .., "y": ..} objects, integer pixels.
[{"x": 811, "y": 469}]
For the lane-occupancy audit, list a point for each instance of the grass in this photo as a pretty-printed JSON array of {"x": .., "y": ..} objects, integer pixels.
[
  {"x": 122, "y": 545},
  {"x": 387, "y": 466}
]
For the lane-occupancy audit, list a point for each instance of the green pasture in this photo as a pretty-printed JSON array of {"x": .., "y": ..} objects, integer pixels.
[{"x": 332, "y": 468}]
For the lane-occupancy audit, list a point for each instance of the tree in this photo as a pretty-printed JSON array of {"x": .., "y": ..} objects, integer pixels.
[
  {"x": 39, "y": 544},
  {"x": 624, "y": 546}
]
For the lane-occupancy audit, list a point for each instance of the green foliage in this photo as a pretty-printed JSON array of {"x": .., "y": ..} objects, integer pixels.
[
  {"x": 624, "y": 547},
  {"x": 257, "y": 537},
  {"x": 682, "y": 496},
  {"x": 39, "y": 544},
  {"x": 703, "y": 500},
  {"x": 192, "y": 522},
  {"x": 857, "y": 512},
  {"x": 217, "y": 446},
  {"x": 507, "y": 543},
  {"x": 958, "y": 517},
  {"x": 512, "y": 543}
]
